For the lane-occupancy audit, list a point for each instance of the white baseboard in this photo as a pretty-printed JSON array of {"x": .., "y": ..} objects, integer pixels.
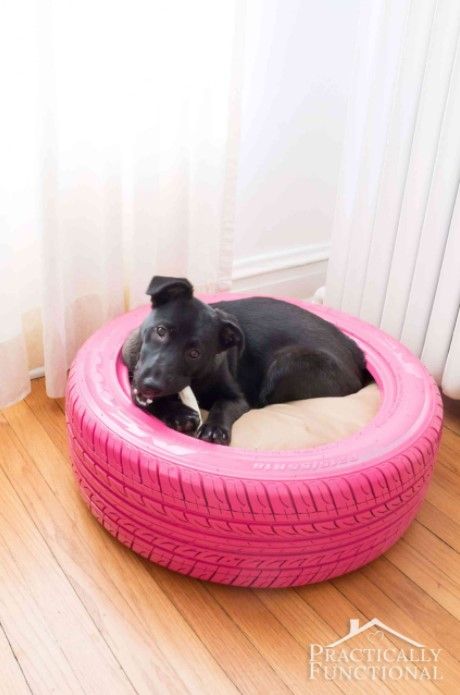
[{"x": 297, "y": 272}]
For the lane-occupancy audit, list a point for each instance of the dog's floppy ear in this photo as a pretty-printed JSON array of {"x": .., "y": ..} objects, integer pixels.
[
  {"x": 131, "y": 349},
  {"x": 230, "y": 334},
  {"x": 163, "y": 290}
]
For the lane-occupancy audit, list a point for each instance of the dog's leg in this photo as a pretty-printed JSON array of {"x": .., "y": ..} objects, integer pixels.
[
  {"x": 297, "y": 373},
  {"x": 175, "y": 414},
  {"x": 224, "y": 412}
]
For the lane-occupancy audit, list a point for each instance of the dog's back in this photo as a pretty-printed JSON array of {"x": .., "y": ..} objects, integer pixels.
[{"x": 311, "y": 355}]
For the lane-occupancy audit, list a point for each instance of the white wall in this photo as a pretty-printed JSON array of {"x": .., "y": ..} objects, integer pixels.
[{"x": 299, "y": 56}]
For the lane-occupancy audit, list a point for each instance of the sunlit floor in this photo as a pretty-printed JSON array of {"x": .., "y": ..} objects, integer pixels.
[{"x": 80, "y": 613}]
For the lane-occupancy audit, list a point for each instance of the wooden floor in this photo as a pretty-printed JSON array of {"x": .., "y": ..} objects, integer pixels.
[{"x": 79, "y": 613}]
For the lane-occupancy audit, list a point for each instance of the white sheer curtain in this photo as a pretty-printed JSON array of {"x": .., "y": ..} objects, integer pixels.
[
  {"x": 395, "y": 257},
  {"x": 119, "y": 136}
]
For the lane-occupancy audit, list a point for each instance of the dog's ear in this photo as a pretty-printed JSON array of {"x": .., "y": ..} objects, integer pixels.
[
  {"x": 131, "y": 349},
  {"x": 163, "y": 290},
  {"x": 230, "y": 334}
]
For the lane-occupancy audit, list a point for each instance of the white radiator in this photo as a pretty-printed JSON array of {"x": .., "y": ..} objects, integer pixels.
[{"x": 395, "y": 257}]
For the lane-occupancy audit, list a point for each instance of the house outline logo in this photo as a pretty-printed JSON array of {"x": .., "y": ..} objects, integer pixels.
[
  {"x": 355, "y": 629},
  {"x": 379, "y": 660}
]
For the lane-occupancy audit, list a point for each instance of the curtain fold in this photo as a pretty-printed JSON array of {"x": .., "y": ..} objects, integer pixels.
[
  {"x": 396, "y": 235},
  {"x": 121, "y": 142}
]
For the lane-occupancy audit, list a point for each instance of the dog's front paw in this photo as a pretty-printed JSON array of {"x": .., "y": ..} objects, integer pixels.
[
  {"x": 215, "y": 434},
  {"x": 182, "y": 419}
]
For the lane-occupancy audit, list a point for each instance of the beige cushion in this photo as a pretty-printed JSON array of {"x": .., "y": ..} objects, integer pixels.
[{"x": 304, "y": 424}]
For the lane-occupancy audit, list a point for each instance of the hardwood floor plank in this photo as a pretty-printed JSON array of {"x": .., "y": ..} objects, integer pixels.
[
  {"x": 440, "y": 524},
  {"x": 427, "y": 618},
  {"x": 446, "y": 478},
  {"x": 415, "y": 565},
  {"x": 451, "y": 414},
  {"x": 284, "y": 654},
  {"x": 12, "y": 679},
  {"x": 444, "y": 560},
  {"x": 444, "y": 498},
  {"x": 61, "y": 403},
  {"x": 239, "y": 657},
  {"x": 39, "y": 605},
  {"x": 449, "y": 451}
]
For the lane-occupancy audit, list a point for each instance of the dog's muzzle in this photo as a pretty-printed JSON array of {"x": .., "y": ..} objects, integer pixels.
[{"x": 141, "y": 400}]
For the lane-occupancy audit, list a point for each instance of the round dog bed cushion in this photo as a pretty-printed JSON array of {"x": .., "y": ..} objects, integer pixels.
[
  {"x": 253, "y": 517},
  {"x": 305, "y": 424}
]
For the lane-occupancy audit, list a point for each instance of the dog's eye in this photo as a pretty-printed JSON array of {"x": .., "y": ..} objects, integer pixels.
[
  {"x": 161, "y": 331},
  {"x": 194, "y": 354}
]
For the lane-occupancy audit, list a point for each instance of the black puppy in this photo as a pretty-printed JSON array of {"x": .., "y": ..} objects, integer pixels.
[{"x": 236, "y": 355}]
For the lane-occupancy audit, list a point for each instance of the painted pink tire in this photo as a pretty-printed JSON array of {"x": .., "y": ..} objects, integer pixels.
[{"x": 249, "y": 518}]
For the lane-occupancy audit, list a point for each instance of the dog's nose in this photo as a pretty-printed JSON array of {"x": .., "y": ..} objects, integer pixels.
[{"x": 151, "y": 385}]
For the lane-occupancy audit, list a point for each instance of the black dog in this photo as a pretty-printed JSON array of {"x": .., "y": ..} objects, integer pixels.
[{"x": 236, "y": 355}]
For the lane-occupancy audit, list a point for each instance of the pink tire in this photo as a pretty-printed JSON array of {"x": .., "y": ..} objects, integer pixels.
[{"x": 251, "y": 518}]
